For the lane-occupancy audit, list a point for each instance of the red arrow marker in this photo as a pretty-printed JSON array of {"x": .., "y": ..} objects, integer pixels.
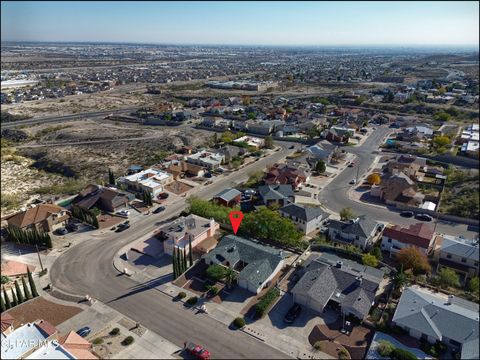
[{"x": 236, "y": 218}]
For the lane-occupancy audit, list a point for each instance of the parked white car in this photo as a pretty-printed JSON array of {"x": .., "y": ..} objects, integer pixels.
[{"x": 123, "y": 212}]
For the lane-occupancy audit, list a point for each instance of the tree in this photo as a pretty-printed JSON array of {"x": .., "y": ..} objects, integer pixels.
[
  {"x": 413, "y": 258},
  {"x": 2, "y": 304},
  {"x": 147, "y": 198},
  {"x": 441, "y": 141},
  {"x": 8, "y": 304},
  {"x": 320, "y": 167},
  {"x": 442, "y": 116},
  {"x": 184, "y": 258},
  {"x": 312, "y": 133},
  {"x": 374, "y": 179},
  {"x": 111, "y": 177},
  {"x": 49, "y": 239},
  {"x": 448, "y": 277},
  {"x": 377, "y": 252},
  {"x": 216, "y": 272},
  {"x": 20, "y": 297},
  {"x": 230, "y": 277},
  {"x": 32, "y": 283},
  {"x": 26, "y": 291},
  {"x": 369, "y": 260},
  {"x": 14, "y": 298},
  {"x": 474, "y": 285},
  {"x": 347, "y": 214},
  {"x": 269, "y": 142},
  {"x": 359, "y": 100},
  {"x": 190, "y": 253}
]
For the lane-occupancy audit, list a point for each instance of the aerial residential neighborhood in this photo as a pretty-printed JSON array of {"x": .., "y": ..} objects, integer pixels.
[{"x": 184, "y": 181}]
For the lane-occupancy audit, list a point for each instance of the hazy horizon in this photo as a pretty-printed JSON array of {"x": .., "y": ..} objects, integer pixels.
[{"x": 271, "y": 24}]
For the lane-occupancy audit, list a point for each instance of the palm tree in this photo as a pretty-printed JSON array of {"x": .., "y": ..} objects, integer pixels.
[
  {"x": 399, "y": 279},
  {"x": 230, "y": 277}
]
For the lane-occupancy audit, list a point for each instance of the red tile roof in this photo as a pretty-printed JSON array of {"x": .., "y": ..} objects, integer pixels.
[
  {"x": 34, "y": 215},
  {"x": 14, "y": 268},
  {"x": 6, "y": 321},
  {"x": 418, "y": 234},
  {"x": 46, "y": 327}
]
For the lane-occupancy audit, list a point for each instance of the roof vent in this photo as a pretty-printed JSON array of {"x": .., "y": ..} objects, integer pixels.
[
  {"x": 339, "y": 264},
  {"x": 232, "y": 248}
]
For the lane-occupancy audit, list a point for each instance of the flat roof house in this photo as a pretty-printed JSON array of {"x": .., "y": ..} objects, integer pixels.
[
  {"x": 459, "y": 254},
  {"x": 438, "y": 317},
  {"x": 255, "y": 263},
  {"x": 346, "y": 284},
  {"x": 43, "y": 217},
  {"x": 360, "y": 232},
  {"x": 150, "y": 180},
  {"x": 306, "y": 218},
  {"x": 207, "y": 159},
  {"x": 419, "y": 235},
  {"x": 192, "y": 228}
]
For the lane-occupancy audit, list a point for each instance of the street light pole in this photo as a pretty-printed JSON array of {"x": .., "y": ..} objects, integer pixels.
[{"x": 39, "y": 259}]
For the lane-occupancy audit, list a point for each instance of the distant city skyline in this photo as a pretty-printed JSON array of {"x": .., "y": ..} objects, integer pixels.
[{"x": 245, "y": 23}]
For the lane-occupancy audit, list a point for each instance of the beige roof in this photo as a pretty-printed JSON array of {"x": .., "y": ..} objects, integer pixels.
[
  {"x": 13, "y": 268},
  {"x": 34, "y": 215}
]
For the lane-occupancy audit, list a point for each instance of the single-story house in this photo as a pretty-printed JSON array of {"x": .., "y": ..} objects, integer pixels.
[
  {"x": 287, "y": 174},
  {"x": 228, "y": 197},
  {"x": 43, "y": 217},
  {"x": 255, "y": 263},
  {"x": 306, "y": 218},
  {"x": 150, "y": 180},
  {"x": 276, "y": 194},
  {"x": 437, "y": 317},
  {"x": 101, "y": 197},
  {"x": 348, "y": 285},
  {"x": 360, "y": 232}
]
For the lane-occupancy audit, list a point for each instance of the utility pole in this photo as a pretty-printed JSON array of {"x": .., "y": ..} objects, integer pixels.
[
  {"x": 358, "y": 170},
  {"x": 39, "y": 259}
]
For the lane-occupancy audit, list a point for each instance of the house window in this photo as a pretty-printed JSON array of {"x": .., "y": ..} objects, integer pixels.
[
  {"x": 389, "y": 240},
  {"x": 449, "y": 256},
  {"x": 357, "y": 237},
  {"x": 464, "y": 260},
  {"x": 476, "y": 263}
]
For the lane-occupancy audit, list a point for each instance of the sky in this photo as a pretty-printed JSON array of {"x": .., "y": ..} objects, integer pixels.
[{"x": 244, "y": 23}]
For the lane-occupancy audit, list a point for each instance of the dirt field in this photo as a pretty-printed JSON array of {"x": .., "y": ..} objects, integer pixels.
[{"x": 41, "y": 309}]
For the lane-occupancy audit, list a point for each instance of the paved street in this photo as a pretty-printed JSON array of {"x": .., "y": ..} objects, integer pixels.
[
  {"x": 334, "y": 196},
  {"x": 87, "y": 269}
]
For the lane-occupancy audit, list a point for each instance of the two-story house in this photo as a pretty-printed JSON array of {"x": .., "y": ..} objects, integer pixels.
[
  {"x": 306, "y": 218},
  {"x": 43, "y": 217},
  {"x": 459, "y": 254},
  {"x": 418, "y": 235},
  {"x": 361, "y": 232}
]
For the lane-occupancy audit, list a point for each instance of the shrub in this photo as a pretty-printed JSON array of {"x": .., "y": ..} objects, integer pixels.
[
  {"x": 192, "y": 301},
  {"x": 127, "y": 341},
  {"x": 239, "y": 322},
  {"x": 266, "y": 300},
  {"x": 400, "y": 354},
  {"x": 343, "y": 354},
  {"x": 181, "y": 295},
  {"x": 317, "y": 345},
  {"x": 213, "y": 290},
  {"x": 5, "y": 279},
  {"x": 441, "y": 347},
  {"x": 115, "y": 331},
  {"x": 385, "y": 348},
  {"x": 97, "y": 341},
  {"x": 216, "y": 272}
]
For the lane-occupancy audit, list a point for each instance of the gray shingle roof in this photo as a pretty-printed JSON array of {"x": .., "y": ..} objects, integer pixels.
[
  {"x": 261, "y": 260},
  {"x": 228, "y": 194},
  {"x": 461, "y": 247},
  {"x": 304, "y": 212},
  {"x": 323, "y": 282},
  {"x": 432, "y": 315},
  {"x": 363, "y": 227},
  {"x": 275, "y": 192}
]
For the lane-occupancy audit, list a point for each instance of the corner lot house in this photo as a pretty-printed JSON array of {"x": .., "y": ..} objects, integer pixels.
[
  {"x": 186, "y": 229},
  {"x": 150, "y": 180},
  {"x": 101, "y": 197},
  {"x": 419, "y": 235},
  {"x": 43, "y": 217},
  {"x": 209, "y": 160},
  {"x": 255, "y": 263},
  {"x": 347, "y": 285},
  {"x": 435, "y": 317},
  {"x": 306, "y": 218},
  {"x": 459, "y": 254},
  {"x": 360, "y": 232}
]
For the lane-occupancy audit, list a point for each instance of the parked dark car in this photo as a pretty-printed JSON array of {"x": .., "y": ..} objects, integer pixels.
[
  {"x": 159, "y": 209},
  {"x": 407, "y": 214},
  {"x": 292, "y": 147},
  {"x": 72, "y": 227},
  {"x": 292, "y": 314},
  {"x": 122, "y": 227},
  {"x": 423, "y": 217},
  {"x": 84, "y": 331},
  {"x": 61, "y": 231}
]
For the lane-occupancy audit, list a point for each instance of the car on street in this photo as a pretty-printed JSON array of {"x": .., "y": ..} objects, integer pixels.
[
  {"x": 407, "y": 214},
  {"x": 351, "y": 164},
  {"x": 423, "y": 217},
  {"x": 353, "y": 182},
  {"x": 61, "y": 231},
  {"x": 162, "y": 195},
  {"x": 122, "y": 227},
  {"x": 123, "y": 212},
  {"x": 292, "y": 147},
  {"x": 72, "y": 226},
  {"x": 208, "y": 175},
  {"x": 159, "y": 209},
  {"x": 84, "y": 331},
  {"x": 199, "y": 352},
  {"x": 292, "y": 314}
]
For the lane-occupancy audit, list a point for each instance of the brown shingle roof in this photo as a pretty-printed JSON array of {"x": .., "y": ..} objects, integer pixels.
[
  {"x": 418, "y": 234},
  {"x": 34, "y": 215},
  {"x": 6, "y": 321}
]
